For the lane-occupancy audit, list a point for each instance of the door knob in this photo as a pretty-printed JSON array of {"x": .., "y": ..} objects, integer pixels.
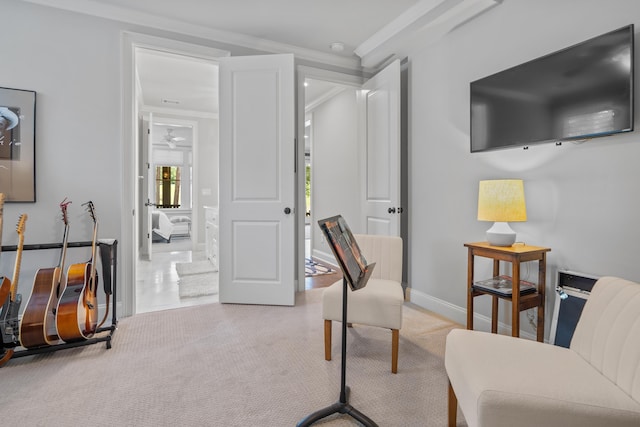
[
  {"x": 287, "y": 210},
  {"x": 391, "y": 210}
]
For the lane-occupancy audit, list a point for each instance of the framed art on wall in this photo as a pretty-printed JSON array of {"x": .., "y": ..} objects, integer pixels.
[{"x": 17, "y": 145}]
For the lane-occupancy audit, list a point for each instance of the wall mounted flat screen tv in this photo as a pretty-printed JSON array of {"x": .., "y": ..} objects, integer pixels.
[{"x": 581, "y": 92}]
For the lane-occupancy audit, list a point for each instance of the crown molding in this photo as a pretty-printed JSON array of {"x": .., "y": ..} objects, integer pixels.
[
  {"x": 324, "y": 98},
  {"x": 107, "y": 11},
  {"x": 422, "y": 24}
]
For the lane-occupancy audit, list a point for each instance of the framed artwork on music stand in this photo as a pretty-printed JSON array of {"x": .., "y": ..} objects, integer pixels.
[
  {"x": 346, "y": 250},
  {"x": 17, "y": 145}
]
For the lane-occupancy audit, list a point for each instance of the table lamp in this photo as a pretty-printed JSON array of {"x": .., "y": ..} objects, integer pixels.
[{"x": 501, "y": 201}]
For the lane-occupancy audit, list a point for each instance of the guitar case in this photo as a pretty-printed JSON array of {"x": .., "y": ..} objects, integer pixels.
[{"x": 106, "y": 258}]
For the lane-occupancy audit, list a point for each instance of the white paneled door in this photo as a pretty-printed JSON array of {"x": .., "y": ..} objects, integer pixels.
[
  {"x": 147, "y": 181},
  {"x": 257, "y": 180},
  {"x": 382, "y": 205}
]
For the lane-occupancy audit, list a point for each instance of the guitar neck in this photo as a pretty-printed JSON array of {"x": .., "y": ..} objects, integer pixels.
[
  {"x": 16, "y": 270},
  {"x": 63, "y": 252},
  {"x": 94, "y": 245}
]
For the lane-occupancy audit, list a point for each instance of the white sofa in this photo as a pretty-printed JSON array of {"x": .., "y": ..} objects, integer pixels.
[{"x": 503, "y": 381}]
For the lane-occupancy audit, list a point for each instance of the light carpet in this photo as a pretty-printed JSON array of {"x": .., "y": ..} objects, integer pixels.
[{"x": 233, "y": 365}]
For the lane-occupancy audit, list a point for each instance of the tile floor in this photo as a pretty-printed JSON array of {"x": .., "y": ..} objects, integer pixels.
[{"x": 157, "y": 285}]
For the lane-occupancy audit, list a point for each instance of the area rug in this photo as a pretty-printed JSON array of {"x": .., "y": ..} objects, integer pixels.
[
  {"x": 197, "y": 278},
  {"x": 312, "y": 268},
  {"x": 196, "y": 285},
  {"x": 195, "y": 267}
]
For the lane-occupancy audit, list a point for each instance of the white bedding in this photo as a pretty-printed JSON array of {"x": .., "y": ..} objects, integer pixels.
[{"x": 161, "y": 225}]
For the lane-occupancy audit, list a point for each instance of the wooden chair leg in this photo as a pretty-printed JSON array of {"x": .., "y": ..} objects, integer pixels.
[
  {"x": 327, "y": 339},
  {"x": 452, "y": 407},
  {"x": 395, "y": 342}
]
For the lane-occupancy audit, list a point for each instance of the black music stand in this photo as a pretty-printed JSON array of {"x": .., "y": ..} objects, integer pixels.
[{"x": 354, "y": 274}]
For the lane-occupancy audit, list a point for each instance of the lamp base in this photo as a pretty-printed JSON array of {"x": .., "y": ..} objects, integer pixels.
[{"x": 500, "y": 234}]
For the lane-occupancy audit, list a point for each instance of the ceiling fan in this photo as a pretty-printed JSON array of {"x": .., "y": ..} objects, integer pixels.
[{"x": 170, "y": 139}]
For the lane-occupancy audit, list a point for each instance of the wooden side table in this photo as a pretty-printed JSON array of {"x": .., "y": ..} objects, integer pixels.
[{"x": 515, "y": 255}]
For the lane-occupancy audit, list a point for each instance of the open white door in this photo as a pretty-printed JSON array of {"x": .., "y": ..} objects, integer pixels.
[
  {"x": 146, "y": 188},
  {"x": 381, "y": 138},
  {"x": 257, "y": 180}
]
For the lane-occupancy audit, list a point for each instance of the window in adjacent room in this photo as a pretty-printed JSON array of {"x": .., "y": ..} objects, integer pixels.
[{"x": 168, "y": 186}]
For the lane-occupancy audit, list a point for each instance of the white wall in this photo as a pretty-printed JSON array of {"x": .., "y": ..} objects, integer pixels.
[
  {"x": 74, "y": 67},
  {"x": 335, "y": 179},
  {"x": 582, "y": 199},
  {"x": 74, "y": 63}
]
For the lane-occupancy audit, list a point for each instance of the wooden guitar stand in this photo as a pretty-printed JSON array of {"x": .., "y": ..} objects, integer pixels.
[{"x": 109, "y": 261}]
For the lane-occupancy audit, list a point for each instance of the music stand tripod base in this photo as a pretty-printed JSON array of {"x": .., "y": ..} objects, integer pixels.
[{"x": 342, "y": 406}]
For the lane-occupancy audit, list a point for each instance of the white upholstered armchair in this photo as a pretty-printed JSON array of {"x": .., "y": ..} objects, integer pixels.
[
  {"x": 501, "y": 381},
  {"x": 379, "y": 303}
]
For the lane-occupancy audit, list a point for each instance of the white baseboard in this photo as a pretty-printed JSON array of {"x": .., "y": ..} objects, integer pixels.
[{"x": 458, "y": 314}]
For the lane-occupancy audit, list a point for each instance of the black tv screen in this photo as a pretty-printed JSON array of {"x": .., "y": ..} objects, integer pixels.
[{"x": 580, "y": 92}]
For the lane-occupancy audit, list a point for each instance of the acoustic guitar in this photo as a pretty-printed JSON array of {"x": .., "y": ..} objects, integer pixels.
[
  {"x": 77, "y": 313},
  {"x": 38, "y": 324},
  {"x": 9, "y": 312},
  {"x": 5, "y": 289}
]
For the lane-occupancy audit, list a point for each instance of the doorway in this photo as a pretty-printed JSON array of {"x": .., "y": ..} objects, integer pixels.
[
  {"x": 355, "y": 152},
  {"x": 131, "y": 200},
  {"x": 331, "y": 159},
  {"x": 177, "y": 101}
]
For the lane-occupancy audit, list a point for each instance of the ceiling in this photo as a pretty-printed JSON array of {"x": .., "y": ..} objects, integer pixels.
[
  {"x": 308, "y": 24},
  {"x": 371, "y": 32},
  {"x": 177, "y": 83}
]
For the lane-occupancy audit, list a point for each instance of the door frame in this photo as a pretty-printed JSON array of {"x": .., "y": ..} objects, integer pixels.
[
  {"x": 303, "y": 72},
  {"x": 130, "y": 209}
]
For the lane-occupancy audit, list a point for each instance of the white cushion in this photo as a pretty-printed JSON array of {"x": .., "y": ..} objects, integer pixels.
[
  {"x": 608, "y": 333},
  {"x": 386, "y": 252},
  {"x": 379, "y": 303},
  {"x": 504, "y": 381}
]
